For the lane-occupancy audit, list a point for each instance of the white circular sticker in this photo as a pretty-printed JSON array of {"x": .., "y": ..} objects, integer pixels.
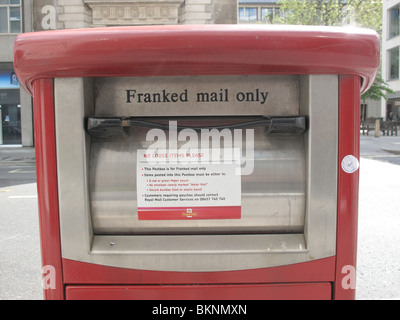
[{"x": 350, "y": 164}]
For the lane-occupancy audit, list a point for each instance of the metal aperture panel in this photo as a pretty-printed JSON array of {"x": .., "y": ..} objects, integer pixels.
[{"x": 314, "y": 239}]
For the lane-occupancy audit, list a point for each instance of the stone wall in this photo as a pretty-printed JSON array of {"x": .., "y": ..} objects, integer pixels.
[{"x": 71, "y": 14}]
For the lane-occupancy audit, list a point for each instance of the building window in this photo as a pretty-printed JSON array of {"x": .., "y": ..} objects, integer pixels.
[
  {"x": 10, "y": 16},
  {"x": 248, "y": 14},
  {"x": 269, "y": 14},
  {"x": 259, "y": 12},
  {"x": 394, "y": 22},
  {"x": 394, "y": 63}
]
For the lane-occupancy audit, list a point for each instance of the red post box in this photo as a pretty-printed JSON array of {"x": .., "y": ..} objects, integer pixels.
[{"x": 130, "y": 124}]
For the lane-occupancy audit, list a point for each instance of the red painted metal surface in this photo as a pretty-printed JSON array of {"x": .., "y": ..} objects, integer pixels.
[
  {"x": 288, "y": 291},
  {"x": 196, "y": 50},
  {"x": 46, "y": 168},
  {"x": 314, "y": 271},
  {"x": 348, "y": 184}
]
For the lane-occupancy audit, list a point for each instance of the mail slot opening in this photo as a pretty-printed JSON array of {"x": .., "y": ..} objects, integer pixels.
[{"x": 197, "y": 175}]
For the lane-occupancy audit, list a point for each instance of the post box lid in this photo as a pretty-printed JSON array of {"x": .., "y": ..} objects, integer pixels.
[{"x": 197, "y": 50}]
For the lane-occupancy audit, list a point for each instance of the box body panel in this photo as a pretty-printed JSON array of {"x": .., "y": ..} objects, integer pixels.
[
  {"x": 316, "y": 254},
  {"x": 293, "y": 291}
]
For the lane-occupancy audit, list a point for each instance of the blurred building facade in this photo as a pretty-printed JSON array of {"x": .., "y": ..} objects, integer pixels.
[
  {"x": 17, "y": 16},
  {"x": 16, "y": 125},
  {"x": 390, "y": 58}
]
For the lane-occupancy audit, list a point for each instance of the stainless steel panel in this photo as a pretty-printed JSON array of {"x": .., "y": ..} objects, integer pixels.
[
  {"x": 273, "y": 196},
  {"x": 198, "y": 253},
  {"x": 220, "y": 95},
  {"x": 318, "y": 99}
]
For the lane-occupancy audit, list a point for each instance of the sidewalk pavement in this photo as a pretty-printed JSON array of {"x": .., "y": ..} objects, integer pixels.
[
  {"x": 371, "y": 146},
  {"x": 17, "y": 154}
]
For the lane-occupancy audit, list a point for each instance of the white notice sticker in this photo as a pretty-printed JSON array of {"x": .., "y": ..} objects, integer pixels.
[{"x": 188, "y": 185}]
